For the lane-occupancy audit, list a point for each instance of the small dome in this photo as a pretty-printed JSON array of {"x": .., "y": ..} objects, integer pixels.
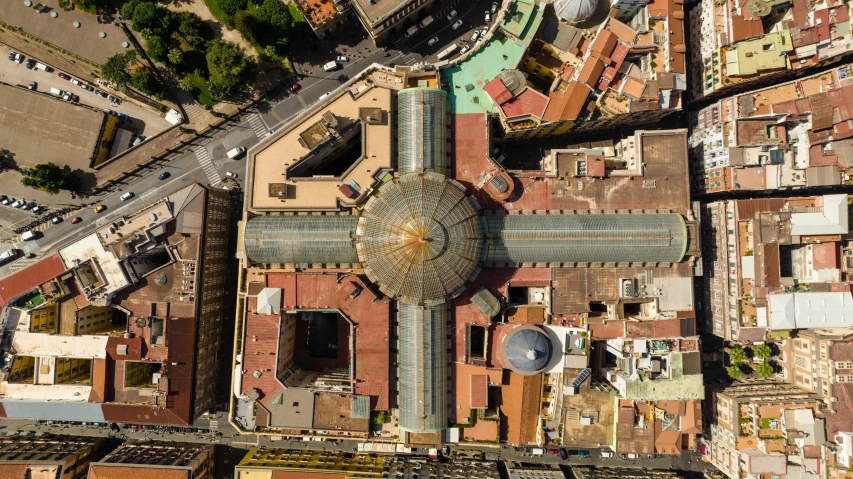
[
  {"x": 526, "y": 350},
  {"x": 575, "y": 11}
]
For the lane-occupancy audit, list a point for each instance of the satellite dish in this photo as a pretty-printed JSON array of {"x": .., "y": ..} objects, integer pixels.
[{"x": 141, "y": 322}]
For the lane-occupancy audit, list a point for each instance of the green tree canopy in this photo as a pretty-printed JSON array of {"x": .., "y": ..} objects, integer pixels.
[
  {"x": 46, "y": 177},
  {"x": 190, "y": 27},
  {"x": 147, "y": 83},
  {"x": 737, "y": 354},
  {"x": 762, "y": 351},
  {"x": 231, "y": 7},
  {"x": 115, "y": 68},
  {"x": 176, "y": 56},
  {"x": 276, "y": 14},
  {"x": 765, "y": 370},
  {"x": 248, "y": 26},
  {"x": 186, "y": 84},
  {"x": 734, "y": 372},
  {"x": 128, "y": 8},
  {"x": 152, "y": 16},
  {"x": 157, "y": 48},
  {"x": 229, "y": 68}
]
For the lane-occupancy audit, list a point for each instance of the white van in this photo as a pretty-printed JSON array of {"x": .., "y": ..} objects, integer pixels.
[
  {"x": 606, "y": 454},
  {"x": 331, "y": 66},
  {"x": 29, "y": 235},
  {"x": 57, "y": 91},
  {"x": 236, "y": 152},
  {"x": 43, "y": 67},
  {"x": 324, "y": 96}
]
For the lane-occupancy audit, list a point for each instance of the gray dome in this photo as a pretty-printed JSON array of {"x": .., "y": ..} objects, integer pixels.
[
  {"x": 575, "y": 11},
  {"x": 526, "y": 350},
  {"x": 513, "y": 80}
]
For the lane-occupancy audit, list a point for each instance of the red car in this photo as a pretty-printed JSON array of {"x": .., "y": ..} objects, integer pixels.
[
  {"x": 63, "y": 76},
  {"x": 75, "y": 220},
  {"x": 294, "y": 88},
  {"x": 552, "y": 451}
]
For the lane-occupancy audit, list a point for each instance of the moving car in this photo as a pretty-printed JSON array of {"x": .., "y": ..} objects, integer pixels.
[
  {"x": 164, "y": 175},
  {"x": 63, "y": 76},
  {"x": 29, "y": 235},
  {"x": 331, "y": 66},
  {"x": 295, "y": 87},
  {"x": 343, "y": 58},
  {"x": 75, "y": 220},
  {"x": 109, "y": 112},
  {"x": 432, "y": 41},
  {"x": 113, "y": 99},
  {"x": 126, "y": 196},
  {"x": 457, "y": 24},
  {"x": 231, "y": 175},
  {"x": 98, "y": 209}
]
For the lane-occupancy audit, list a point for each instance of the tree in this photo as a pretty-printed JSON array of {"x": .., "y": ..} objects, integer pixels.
[
  {"x": 115, "y": 68},
  {"x": 46, "y": 177},
  {"x": 128, "y": 8},
  {"x": 231, "y": 7},
  {"x": 157, "y": 49},
  {"x": 189, "y": 24},
  {"x": 229, "y": 68},
  {"x": 248, "y": 26},
  {"x": 762, "y": 351},
  {"x": 146, "y": 82},
  {"x": 151, "y": 15},
  {"x": 765, "y": 370},
  {"x": 90, "y": 5},
  {"x": 734, "y": 372},
  {"x": 186, "y": 84},
  {"x": 176, "y": 56},
  {"x": 276, "y": 14},
  {"x": 737, "y": 354}
]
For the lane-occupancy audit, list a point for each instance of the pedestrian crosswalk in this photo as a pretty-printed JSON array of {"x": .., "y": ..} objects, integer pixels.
[
  {"x": 258, "y": 125},
  {"x": 214, "y": 423},
  {"x": 400, "y": 43},
  {"x": 207, "y": 164},
  {"x": 409, "y": 59}
]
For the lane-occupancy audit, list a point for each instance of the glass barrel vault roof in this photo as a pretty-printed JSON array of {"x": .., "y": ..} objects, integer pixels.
[
  {"x": 301, "y": 240},
  {"x": 422, "y": 130},
  {"x": 420, "y": 239},
  {"x": 423, "y": 368}
]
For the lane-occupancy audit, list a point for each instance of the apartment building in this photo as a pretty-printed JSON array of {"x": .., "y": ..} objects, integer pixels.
[
  {"x": 49, "y": 456},
  {"x": 621, "y": 472},
  {"x": 789, "y": 136},
  {"x": 383, "y": 19},
  {"x": 127, "y": 327},
  {"x": 760, "y": 254},
  {"x": 155, "y": 460},
  {"x": 758, "y": 43}
]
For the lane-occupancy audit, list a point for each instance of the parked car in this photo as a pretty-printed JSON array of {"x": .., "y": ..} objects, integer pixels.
[
  {"x": 27, "y": 206},
  {"x": 109, "y": 112},
  {"x": 75, "y": 220},
  {"x": 488, "y": 16},
  {"x": 231, "y": 175},
  {"x": 494, "y": 7},
  {"x": 74, "y": 81},
  {"x": 164, "y": 175},
  {"x": 606, "y": 454},
  {"x": 457, "y": 24},
  {"x": 7, "y": 201},
  {"x": 33, "y": 85},
  {"x": 475, "y": 35},
  {"x": 583, "y": 453},
  {"x": 343, "y": 58},
  {"x": 122, "y": 116},
  {"x": 432, "y": 41},
  {"x": 19, "y": 58},
  {"x": 87, "y": 87},
  {"x": 30, "y": 64},
  {"x": 564, "y": 455},
  {"x": 12, "y": 56},
  {"x": 295, "y": 87},
  {"x": 113, "y": 99},
  {"x": 63, "y": 76},
  {"x": 464, "y": 49},
  {"x": 101, "y": 93},
  {"x": 451, "y": 15},
  {"x": 56, "y": 220},
  {"x": 552, "y": 452},
  {"x": 484, "y": 31}
]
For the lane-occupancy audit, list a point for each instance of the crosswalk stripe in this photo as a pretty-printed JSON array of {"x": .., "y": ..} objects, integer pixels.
[
  {"x": 207, "y": 164},
  {"x": 258, "y": 125}
]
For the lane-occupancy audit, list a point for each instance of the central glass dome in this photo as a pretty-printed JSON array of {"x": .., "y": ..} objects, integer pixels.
[{"x": 420, "y": 238}]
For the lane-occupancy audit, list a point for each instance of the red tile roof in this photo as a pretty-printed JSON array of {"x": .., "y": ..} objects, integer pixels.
[
  {"x": 497, "y": 91},
  {"x": 825, "y": 255},
  {"x": 567, "y": 105},
  {"x": 605, "y": 42},
  {"x": 479, "y": 391},
  {"x": 28, "y": 278},
  {"x": 528, "y": 102},
  {"x": 260, "y": 342},
  {"x": 744, "y": 29}
]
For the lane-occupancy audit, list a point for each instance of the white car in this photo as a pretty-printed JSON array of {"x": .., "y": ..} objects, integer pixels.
[
  {"x": 488, "y": 16},
  {"x": 494, "y": 7},
  {"x": 606, "y": 454},
  {"x": 451, "y": 15},
  {"x": 126, "y": 196},
  {"x": 343, "y": 58},
  {"x": 230, "y": 175},
  {"x": 19, "y": 58},
  {"x": 432, "y": 41},
  {"x": 475, "y": 36},
  {"x": 464, "y": 49},
  {"x": 484, "y": 31},
  {"x": 75, "y": 81},
  {"x": 457, "y": 24}
]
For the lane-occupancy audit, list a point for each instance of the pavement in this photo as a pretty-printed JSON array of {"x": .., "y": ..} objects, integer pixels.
[{"x": 144, "y": 121}]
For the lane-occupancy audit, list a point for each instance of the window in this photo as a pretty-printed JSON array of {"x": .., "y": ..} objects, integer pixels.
[
  {"x": 843, "y": 364},
  {"x": 799, "y": 361},
  {"x": 769, "y": 47}
]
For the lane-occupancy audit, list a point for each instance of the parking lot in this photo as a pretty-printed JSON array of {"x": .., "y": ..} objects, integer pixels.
[{"x": 146, "y": 122}]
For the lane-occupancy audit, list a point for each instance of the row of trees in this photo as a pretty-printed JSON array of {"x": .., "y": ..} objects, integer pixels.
[
  {"x": 268, "y": 27},
  {"x": 738, "y": 356},
  {"x": 125, "y": 69}
]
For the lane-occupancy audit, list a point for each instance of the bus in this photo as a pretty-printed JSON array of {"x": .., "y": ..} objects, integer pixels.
[
  {"x": 8, "y": 254},
  {"x": 447, "y": 52}
]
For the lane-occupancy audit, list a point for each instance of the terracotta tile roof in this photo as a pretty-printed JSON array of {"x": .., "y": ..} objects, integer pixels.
[
  {"x": 609, "y": 330},
  {"x": 567, "y": 105},
  {"x": 633, "y": 88},
  {"x": 626, "y": 415},
  {"x": 746, "y": 209},
  {"x": 605, "y": 42},
  {"x": 591, "y": 72},
  {"x": 520, "y": 405},
  {"x": 528, "y": 102},
  {"x": 825, "y": 255},
  {"x": 479, "y": 391},
  {"x": 462, "y": 375},
  {"x": 99, "y": 381},
  {"x": 28, "y": 278},
  {"x": 667, "y": 442},
  {"x": 98, "y": 471},
  {"x": 13, "y": 471},
  {"x": 691, "y": 423},
  {"x": 821, "y": 111},
  {"x": 259, "y": 340},
  {"x": 623, "y": 32},
  {"x": 743, "y": 29},
  {"x": 497, "y": 91}
]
